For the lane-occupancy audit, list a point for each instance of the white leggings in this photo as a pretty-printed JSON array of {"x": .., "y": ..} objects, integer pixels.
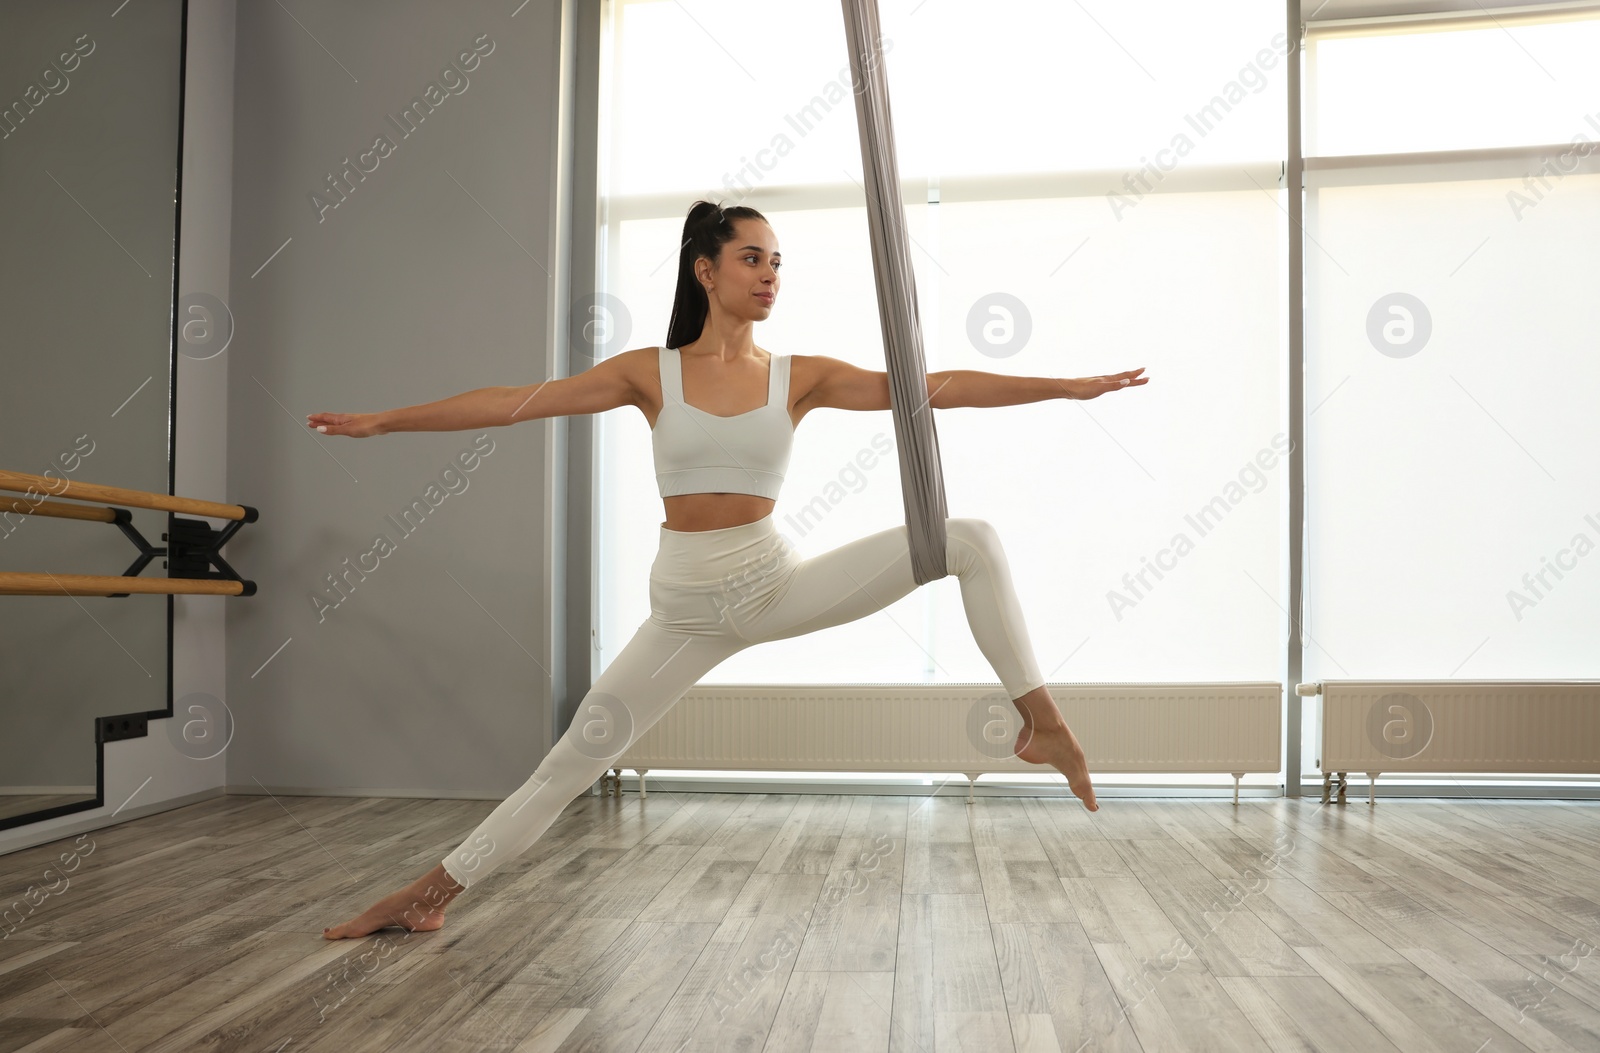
[{"x": 714, "y": 593}]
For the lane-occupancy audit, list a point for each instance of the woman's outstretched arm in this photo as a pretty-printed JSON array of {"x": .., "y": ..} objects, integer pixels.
[
  {"x": 479, "y": 408},
  {"x": 972, "y": 387},
  {"x": 841, "y": 385},
  {"x": 604, "y": 386}
]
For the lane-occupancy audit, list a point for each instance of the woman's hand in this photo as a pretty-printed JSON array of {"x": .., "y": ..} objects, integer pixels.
[
  {"x": 1089, "y": 387},
  {"x": 355, "y": 425}
]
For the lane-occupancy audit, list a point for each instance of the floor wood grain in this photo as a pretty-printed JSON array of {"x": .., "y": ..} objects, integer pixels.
[{"x": 817, "y": 923}]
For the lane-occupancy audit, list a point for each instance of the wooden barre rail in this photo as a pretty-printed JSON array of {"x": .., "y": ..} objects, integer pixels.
[
  {"x": 193, "y": 547},
  {"x": 59, "y": 509},
  {"x": 12, "y": 584},
  {"x": 22, "y": 482}
]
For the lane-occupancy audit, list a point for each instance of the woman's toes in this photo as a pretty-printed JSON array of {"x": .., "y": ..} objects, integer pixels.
[
  {"x": 1061, "y": 750},
  {"x": 347, "y": 930}
]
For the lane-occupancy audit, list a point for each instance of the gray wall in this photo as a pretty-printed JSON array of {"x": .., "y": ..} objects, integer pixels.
[{"x": 427, "y": 669}]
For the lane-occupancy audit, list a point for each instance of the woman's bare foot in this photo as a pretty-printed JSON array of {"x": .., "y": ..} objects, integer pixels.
[
  {"x": 418, "y": 907},
  {"x": 1056, "y": 745},
  {"x": 1046, "y": 739}
]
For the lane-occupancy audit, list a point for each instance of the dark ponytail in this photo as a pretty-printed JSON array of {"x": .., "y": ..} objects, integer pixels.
[{"x": 707, "y": 228}]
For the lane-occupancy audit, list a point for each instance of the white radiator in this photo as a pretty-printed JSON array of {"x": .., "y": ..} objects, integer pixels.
[
  {"x": 1510, "y": 726},
  {"x": 1232, "y": 728}
]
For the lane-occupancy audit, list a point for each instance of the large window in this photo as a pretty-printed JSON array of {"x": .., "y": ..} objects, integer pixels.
[
  {"x": 1451, "y": 372},
  {"x": 1096, "y": 188},
  {"x": 1087, "y": 193}
]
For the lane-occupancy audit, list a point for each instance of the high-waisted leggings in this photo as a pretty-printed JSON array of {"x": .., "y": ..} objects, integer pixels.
[{"x": 714, "y": 593}]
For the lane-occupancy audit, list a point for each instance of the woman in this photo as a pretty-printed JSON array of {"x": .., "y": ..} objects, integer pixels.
[{"x": 722, "y": 414}]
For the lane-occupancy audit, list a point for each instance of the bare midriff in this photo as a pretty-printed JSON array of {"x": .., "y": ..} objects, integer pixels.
[{"x": 714, "y": 511}]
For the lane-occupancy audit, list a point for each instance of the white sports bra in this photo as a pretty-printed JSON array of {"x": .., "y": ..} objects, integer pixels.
[{"x": 698, "y": 452}]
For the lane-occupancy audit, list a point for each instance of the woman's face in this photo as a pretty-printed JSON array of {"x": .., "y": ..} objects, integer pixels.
[{"x": 745, "y": 281}]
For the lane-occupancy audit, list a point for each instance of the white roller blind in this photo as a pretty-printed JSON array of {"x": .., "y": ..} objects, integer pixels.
[
  {"x": 1402, "y": 89},
  {"x": 1451, "y": 382}
]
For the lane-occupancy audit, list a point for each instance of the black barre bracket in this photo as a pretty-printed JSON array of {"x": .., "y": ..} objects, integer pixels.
[{"x": 193, "y": 548}]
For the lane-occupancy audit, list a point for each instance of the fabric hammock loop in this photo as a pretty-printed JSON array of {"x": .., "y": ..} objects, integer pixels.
[{"x": 921, "y": 472}]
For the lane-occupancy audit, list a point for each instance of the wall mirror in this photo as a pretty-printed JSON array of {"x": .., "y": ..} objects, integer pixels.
[{"x": 91, "y": 107}]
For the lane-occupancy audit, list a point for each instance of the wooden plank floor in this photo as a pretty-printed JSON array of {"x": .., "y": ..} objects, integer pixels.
[{"x": 792, "y": 922}]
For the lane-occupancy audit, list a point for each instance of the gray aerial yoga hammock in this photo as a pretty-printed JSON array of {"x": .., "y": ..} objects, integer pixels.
[{"x": 921, "y": 474}]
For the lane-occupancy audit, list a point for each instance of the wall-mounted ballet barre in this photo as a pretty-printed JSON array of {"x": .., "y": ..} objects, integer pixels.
[{"x": 193, "y": 546}]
